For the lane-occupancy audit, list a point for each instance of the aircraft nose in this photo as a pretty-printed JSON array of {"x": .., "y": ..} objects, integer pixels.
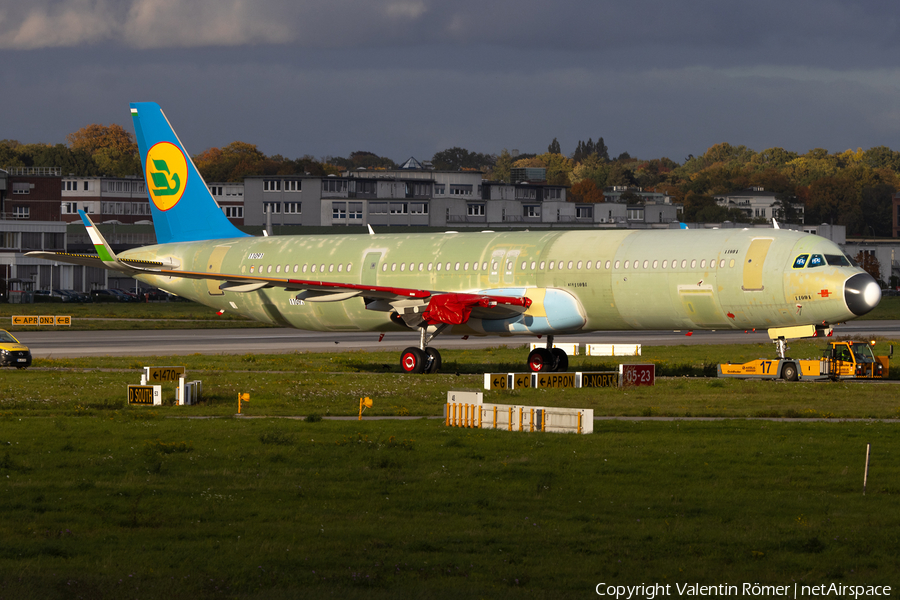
[{"x": 861, "y": 293}]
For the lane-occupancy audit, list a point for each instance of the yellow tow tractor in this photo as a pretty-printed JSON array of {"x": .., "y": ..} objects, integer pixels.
[{"x": 840, "y": 360}]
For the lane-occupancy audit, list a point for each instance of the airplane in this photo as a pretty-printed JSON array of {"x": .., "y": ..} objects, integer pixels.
[{"x": 515, "y": 283}]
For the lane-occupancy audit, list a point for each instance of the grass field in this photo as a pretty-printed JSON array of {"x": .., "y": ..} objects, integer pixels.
[
  {"x": 135, "y": 505},
  {"x": 104, "y": 501},
  {"x": 331, "y": 384}
]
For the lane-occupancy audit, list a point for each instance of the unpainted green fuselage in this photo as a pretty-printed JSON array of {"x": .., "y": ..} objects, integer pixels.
[{"x": 578, "y": 280}]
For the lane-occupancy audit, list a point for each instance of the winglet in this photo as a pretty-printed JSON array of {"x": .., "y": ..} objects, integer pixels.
[
  {"x": 104, "y": 250},
  {"x": 775, "y": 223},
  {"x": 683, "y": 225}
]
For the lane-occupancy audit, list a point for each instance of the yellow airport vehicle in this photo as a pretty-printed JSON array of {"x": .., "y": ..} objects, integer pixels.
[{"x": 840, "y": 360}]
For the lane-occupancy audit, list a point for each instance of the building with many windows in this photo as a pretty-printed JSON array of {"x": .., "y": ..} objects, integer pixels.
[{"x": 757, "y": 203}]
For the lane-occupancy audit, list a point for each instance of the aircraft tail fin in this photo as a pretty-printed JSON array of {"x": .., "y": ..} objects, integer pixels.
[{"x": 183, "y": 209}]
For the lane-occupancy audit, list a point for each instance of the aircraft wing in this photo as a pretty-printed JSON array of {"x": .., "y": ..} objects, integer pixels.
[
  {"x": 435, "y": 307},
  {"x": 94, "y": 260}
]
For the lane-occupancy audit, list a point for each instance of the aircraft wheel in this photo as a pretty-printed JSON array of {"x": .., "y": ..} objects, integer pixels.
[
  {"x": 789, "y": 372},
  {"x": 413, "y": 360},
  {"x": 540, "y": 360},
  {"x": 433, "y": 359},
  {"x": 560, "y": 359}
]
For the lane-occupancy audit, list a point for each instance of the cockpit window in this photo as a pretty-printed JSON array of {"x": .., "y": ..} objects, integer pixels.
[
  {"x": 816, "y": 260},
  {"x": 800, "y": 261},
  {"x": 837, "y": 260}
]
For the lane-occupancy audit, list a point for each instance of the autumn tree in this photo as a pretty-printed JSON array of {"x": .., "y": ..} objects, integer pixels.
[
  {"x": 585, "y": 191},
  {"x": 112, "y": 149}
]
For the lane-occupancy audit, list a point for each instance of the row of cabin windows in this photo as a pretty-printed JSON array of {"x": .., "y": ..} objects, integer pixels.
[
  {"x": 561, "y": 265},
  {"x": 475, "y": 266},
  {"x": 340, "y": 267}
]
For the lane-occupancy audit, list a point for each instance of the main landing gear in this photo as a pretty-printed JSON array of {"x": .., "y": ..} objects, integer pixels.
[
  {"x": 542, "y": 360},
  {"x": 423, "y": 359}
]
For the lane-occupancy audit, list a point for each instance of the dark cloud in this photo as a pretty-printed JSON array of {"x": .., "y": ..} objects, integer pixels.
[{"x": 411, "y": 77}]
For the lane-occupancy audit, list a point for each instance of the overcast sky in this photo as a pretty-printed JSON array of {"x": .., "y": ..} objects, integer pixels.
[{"x": 411, "y": 77}]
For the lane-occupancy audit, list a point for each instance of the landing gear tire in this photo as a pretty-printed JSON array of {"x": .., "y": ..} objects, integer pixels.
[
  {"x": 560, "y": 359},
  {"x": 789, "y": 372},
  {"x": 540, "y": 360},
  {"x": 413, "y": 360},
  {"x": 433, "y": 358}
]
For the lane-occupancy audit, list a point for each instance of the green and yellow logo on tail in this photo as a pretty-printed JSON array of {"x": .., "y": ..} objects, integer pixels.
[{"x": 166, "y": 174}]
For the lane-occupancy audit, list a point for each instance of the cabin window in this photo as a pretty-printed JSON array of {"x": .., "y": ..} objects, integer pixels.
[
  {"x": 278, "y": 268},
  {"x": 569, "y": 266},
  {"x": 456, "y": 268},
  {"x": 448, "y": 266},
  {"x": 393, "y": 266},
  {"x": 421, "y": 267},
  {"x": 349, "y": 266},
  {"x": 625, "y": 265},
  {"x": 731, "y": 263},
  {"x": 560, "y": 265},
  {"x": 269, "y": 269},
  {"x": 322, "y": 267},
  {"x": 655, "y": 263},
  {"x": 551, "y": 265},
  {"x": 384, "y": 267},
  {"x": 542, "y": 265},
  {"x": 683, "y": 263},
  {"x": 702, "y": 264},
  {"x": 429, "y": 266},
  {"x": 578, "y": 266},
  {"x": 722, "y": 264},
  {"x": 524, "y": 265},
  {"x": 402, "y": 266},
  {"x": 296, "y": 268},
  {"x": 616, "y": 265},
  {"x": 313, "y": 269},
  {"x": 412, "y": 267},
  {"x": 251, "y": 268},
  {"x": 646, "y": 263},
  {"x": 439, "y": 265},
  {"x": 664, "y": 265},
  {"x": 340, "y": 267},
  {"x": 304, "y": 268},
  {"x": 588, "y": 265},
  {"x": 694, "y": 263},
  {"x": 800, "y": 261},
  {"x": 606, "y": 266}
]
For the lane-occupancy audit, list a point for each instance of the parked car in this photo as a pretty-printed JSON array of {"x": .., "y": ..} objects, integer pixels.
[
  {"x": 129, "y": 296},
  {"x": 107, "y": 296},
  {"x": 13, "y": 353},
  {"x": 48, "y": 296}
]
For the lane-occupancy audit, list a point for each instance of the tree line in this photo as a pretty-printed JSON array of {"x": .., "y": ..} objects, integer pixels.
[{"x": 853, "y": 188}]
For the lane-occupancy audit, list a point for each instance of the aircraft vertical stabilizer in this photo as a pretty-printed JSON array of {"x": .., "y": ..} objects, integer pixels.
[{"x": 183, "y": 208}]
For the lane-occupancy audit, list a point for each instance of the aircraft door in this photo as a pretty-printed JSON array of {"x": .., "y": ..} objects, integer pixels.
[
  {"x": 753, "y": 264},
  {"x": 370, "y": 269},
  {"x": 214, "y": 265}
]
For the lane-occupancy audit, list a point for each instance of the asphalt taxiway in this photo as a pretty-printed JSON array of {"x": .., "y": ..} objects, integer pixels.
[{"x": 69, "y": 344}]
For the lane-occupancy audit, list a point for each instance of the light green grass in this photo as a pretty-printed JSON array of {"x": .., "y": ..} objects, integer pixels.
[{"x": 331, "y": 384}]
